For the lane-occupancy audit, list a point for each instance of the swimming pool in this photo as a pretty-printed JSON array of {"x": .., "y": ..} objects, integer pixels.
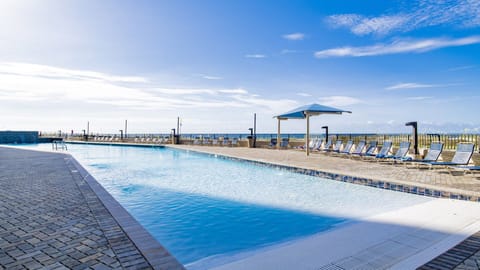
[{"x": 208, "y": 210}]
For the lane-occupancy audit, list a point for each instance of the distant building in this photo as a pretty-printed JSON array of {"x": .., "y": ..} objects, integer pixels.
[{"x": 18, "y": 137}]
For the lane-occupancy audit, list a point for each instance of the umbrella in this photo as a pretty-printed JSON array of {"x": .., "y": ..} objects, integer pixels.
[{"x": 304, "y": 112}]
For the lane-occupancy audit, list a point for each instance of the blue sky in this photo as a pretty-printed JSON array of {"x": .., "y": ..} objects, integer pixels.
[{"x": 215, "y": 63}]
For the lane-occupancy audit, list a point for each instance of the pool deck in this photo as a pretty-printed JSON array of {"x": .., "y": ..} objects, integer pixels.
[
  {"x": 54, "y": 215},
  {"x": 465, "y": 253},
  {"x": 450, "y": 186}
]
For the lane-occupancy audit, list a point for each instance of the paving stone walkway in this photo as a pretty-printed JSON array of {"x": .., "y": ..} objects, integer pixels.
[{"x": 50, "y": 218}]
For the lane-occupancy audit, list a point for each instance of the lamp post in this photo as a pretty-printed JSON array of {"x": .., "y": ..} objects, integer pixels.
[
  {"x": 415, "y": 135},
  {"x": 250, "y": 138},
  {"x": 255, "y": 130},
  {"x": 326, "y": 133},
  {"x": 173, "y": 137}
]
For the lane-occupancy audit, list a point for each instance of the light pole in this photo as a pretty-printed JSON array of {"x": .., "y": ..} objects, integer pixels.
[
  {"x": 254, "y": 130},
  {"x": 415, "y": 135},
  {"x": 326, "y": 133}
]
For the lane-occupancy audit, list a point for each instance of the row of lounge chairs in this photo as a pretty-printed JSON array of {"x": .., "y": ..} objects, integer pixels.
[
  {"x": 153, "y": 140},
  {"x": 284, "y": 143},
  {"x": 136, "y": 140},
  {"x": 216, "y": 142},
  {"x": 460, "y": 160}
]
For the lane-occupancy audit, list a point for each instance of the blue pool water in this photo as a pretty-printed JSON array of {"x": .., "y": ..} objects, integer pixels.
[{"x": 204, "y": 208}]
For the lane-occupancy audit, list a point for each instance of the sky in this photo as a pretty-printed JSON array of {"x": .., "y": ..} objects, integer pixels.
[{"x": 215, "y": 64}]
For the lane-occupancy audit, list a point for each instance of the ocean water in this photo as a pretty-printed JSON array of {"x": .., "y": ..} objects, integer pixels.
[{"x": 207, "y": 210}]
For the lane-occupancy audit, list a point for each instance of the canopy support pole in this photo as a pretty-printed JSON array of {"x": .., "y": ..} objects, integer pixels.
[
  {"x": 278, "y": 134},
  {"x": 307, "y": 139}
]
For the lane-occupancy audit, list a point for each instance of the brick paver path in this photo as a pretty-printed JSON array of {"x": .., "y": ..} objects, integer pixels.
[{"x": 51, "y": 219}]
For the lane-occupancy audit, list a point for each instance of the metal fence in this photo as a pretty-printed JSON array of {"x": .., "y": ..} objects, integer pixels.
[{"x": 450, "y": 140}]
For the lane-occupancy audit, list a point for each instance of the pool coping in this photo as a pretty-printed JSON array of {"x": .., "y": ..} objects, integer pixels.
[
  {"x": 382, "y": 184},
  {"x": 145, "y": 145},
  {"x": 157, "y": 255}
]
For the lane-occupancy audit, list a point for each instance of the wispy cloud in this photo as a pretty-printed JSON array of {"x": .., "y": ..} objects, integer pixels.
[
  {"x": 304, "y": 94},
  {"x": 418, "y": 98},
  {"x": 26, "y": 69},
  {"x": 421, "y": 13},
  {"x": 339, "y": 101},
  {"x": 461, "y": 68},
  {"x": 286, "y": 51},
  {"x": 398, "y": 46},
  {"x": 360, "y": 25},
  {"x": 22, "y": 83},
  {"x": 409, "y": 86},
  {"x": 255, "y": 56},
  {"x": 294, "y": 36},
  {"x": 209, "y": 77}
]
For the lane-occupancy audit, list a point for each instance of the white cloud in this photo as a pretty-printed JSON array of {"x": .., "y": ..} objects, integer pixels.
[
  {"x": 419, "y": 98},
  {"x": 422, "y": 13},
  {"x": 234, "y": 91},
  {"x": 286, "y": 51},
  {"x": 461, "y": 68},
  {"x": 398, "y": 46},
  {"x": 339, "y": 101},
  {"x": 211, "y": 77},
  {"x": 294, "y": 36},
  {"x": 304, "y": 94},
  {"x": 26, "y": 69},
  {"x": 22, "y": 82},
  {"x": 410, "y": 86},
  {"x": 255, "y": 56},
  {"x": 360, "y": 25}
]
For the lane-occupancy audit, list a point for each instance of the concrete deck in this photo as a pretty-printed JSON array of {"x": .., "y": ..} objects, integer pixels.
[
  {"x": 456, "y": 249},
  {"x": 441, "y": 180},
  {"x": 54, "y": 215}
]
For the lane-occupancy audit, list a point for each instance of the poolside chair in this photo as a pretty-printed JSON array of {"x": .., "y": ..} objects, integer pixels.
[
  {"x": 359, "y": 148},
  {"x": 433, "y": 154},
  {"x": 273, "y": 143},
  {"x": 462, "y": 156},
  {"x": 371, "y": 150},
  {"x": 347, "y": 148},
  {"x": 336, "y": 147},
  {"x": 206, "y": 141},
  {"x": 215, "y": 142},
  {"x": 234, "y": 142},
  {"x": 401, "y": 152},
  {"x": 311, "y": 143},
  {"x": 318, "y": 145},
  {"x": 327, "y": 145},
  {"x": 225, "y": 141},
  {"x": 386, "y": 148},
  {"x": 284, "y": 143},
  {"x": 384, "y": 151}
]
